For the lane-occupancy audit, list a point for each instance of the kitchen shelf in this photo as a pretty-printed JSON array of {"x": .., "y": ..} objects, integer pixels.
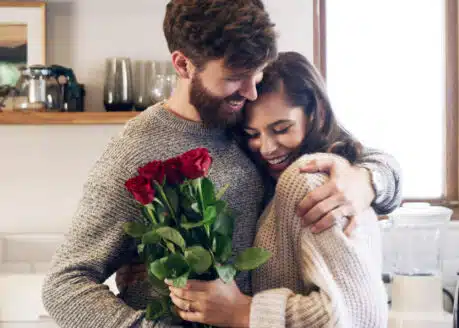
[{"x": 45, "y": 118}]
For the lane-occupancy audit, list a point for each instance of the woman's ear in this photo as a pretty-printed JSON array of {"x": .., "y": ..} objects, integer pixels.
[{"x": 182, "y": 65}]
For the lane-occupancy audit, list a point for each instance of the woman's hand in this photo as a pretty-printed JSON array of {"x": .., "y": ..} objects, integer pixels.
[
  {"x": 347, "y": 193},
  {"x": 129, "y": 274},
  {"x": 212, "y": 302}
]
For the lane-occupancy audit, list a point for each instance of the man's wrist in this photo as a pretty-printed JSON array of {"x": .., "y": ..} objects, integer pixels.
[{"x": 377, "y": 181}]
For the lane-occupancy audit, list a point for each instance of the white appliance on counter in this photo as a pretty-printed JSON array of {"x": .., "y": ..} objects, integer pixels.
[{"x": 416, "y": 238}]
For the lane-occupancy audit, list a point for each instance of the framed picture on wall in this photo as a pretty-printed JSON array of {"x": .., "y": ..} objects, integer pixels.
[{"x": 22, "y": 38}]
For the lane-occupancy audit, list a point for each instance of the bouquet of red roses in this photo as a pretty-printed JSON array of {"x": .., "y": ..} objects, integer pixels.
[{"x": 187, "y": 231}]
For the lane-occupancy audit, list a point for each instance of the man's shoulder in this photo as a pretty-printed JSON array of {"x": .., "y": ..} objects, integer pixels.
[
  {"x": 142, "y": 130},
  {"x": 144, "y": 123},
  {"x": 142, "y": 138}
]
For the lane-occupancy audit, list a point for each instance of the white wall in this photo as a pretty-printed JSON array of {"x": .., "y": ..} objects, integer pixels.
[{"x": 42, "y": 168}]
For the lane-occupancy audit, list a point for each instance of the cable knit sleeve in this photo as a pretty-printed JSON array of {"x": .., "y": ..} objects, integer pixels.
[
  {"x": 386, "y": 170},
  {"x": 341, "y": 275}
]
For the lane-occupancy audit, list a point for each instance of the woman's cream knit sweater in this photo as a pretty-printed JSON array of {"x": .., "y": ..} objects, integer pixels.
[{"x": 316, "y": 280}]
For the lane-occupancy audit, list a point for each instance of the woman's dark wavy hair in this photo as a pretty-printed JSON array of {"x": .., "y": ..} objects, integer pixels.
[{"x": 304, "y": 87}]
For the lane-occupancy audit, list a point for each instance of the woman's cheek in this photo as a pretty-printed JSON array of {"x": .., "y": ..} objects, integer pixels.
[{"x": 292, "y": 140}]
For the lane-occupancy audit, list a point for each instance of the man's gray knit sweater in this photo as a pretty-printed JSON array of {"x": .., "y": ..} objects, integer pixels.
[{"x": 96, "y": 245}]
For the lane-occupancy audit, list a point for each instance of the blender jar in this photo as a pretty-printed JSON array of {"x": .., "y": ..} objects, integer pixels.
[{"x": 416, "y": 239}]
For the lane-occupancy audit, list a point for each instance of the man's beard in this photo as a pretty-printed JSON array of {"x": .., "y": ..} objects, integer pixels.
[{"x": 210, "y": 107}]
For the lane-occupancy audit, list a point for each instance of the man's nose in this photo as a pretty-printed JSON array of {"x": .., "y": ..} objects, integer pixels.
[{"x": 249, "y": 89}]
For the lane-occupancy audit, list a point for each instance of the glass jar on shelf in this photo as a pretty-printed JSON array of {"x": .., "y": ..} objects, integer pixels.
[
  {"x": 118, "y": 89},
  {"x": 165, "y": 81}
]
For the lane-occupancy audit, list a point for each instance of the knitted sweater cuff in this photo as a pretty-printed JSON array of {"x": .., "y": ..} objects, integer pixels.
[
  {"x": 280, "y": 308},
  {"x": 382, "y": 185},
  {"x": 268, "y": 308}
]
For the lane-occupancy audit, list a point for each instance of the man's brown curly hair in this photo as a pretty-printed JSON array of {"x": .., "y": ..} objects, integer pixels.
[{"x": 240, "y": 31}]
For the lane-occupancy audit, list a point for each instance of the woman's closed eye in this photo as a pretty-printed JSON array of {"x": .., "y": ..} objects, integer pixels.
[
  {"x": 283, "y": 130},
  {"x": 233, "y": 79},
  {"x": 251, "y": 134}
]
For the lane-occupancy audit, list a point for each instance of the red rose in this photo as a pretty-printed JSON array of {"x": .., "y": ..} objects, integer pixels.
[
  {"x": 195, "y": 163},
  {"x": 153, "y": 171},
  {"x": 140, "y": 187},
  {"x": 172, "y": 168}
]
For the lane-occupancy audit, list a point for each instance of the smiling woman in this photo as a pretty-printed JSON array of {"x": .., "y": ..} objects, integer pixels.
[
  {"x": 293, "y": 116},
  {"x": 274, "y": 131}
]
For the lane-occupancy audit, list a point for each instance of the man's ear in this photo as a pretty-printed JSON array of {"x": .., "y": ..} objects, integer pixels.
[{"x": 182, "y": 65}]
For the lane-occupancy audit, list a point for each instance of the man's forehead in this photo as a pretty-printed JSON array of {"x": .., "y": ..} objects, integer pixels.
[
  {"x": 219, "y": 65},
  {"x": 244, "y": 71}
]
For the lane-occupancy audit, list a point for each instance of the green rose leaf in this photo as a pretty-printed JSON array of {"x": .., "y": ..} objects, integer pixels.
[
  {"x": 151, "y": 237},
  {"x": 208, "y": 192},
  {"x": 159, "y": 269},
  {"x": 222, "y": 247},
  {"x": 251, "y": 258},
  {"x": 181, "y": 281},
  {"x": 135, "y": 229},
  {"x": 209, "y": 218},
  {"x": 172, "y": 235},
  {"x": 176, "y": 266},
  {"x": 170, "y": 246},
  {"x": 156, "y": 309},
  {"x": 226, "y": 272},
  {"x": 198, "y": 258},
  {"x": 210, "y": 214},
  {"x": 152, "y": 252},
  {"x": 224, "y": 223},
  {"x": 191, "y": 225}
]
